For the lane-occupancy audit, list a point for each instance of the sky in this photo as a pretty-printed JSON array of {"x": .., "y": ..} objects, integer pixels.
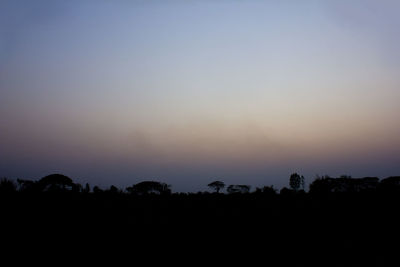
[{"x": 189, "y": 92}]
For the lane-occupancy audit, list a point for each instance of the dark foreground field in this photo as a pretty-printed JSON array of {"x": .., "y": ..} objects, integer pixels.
[{"x": 291, "y": 228}]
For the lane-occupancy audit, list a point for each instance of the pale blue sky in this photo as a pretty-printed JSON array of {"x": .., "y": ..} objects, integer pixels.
[{"x": 115, "y": 92}]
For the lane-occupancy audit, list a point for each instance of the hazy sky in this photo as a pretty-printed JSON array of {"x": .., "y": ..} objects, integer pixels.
[{"x": 187, "y": 92}]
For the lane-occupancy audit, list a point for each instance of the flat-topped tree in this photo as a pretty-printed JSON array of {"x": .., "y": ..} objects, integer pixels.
[
  {"x": 149, "y": 187},
  {"x": 56, "y": 182},
  {"x": 216, "y": 185}
]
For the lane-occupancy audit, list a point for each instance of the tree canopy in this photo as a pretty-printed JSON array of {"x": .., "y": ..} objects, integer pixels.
[
  {"x": 216, "y": 185},
  {"x": 148, "y": 187}
]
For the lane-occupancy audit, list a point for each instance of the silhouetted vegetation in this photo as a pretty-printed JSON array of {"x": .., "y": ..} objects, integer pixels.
[
  {"x": 340, "y": 221},
  {"x": 216, "y": 185},
  {"x": 149, "y": 187},
  {"x": 296, "y": 182}
]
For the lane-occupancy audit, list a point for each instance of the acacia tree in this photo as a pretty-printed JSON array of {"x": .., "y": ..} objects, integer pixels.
[
  {"x": 56, "y": 182},
  {"x": 216, "y": 185},
  {"x": 148, "y": 187},
  {"x": 296, "y": 181}
]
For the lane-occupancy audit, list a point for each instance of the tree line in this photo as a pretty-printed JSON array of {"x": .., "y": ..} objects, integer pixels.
[{"x": 321, "y": 185}]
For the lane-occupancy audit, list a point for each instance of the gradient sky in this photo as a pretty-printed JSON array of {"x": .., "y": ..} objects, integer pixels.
[{"x": 187, "y": 92}]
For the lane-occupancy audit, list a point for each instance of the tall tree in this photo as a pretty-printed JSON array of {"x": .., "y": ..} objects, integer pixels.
[{"x": 296, "y": 181}]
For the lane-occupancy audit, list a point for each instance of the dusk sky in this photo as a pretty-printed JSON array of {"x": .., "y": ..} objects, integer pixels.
[{"x": 188, "y": 92}]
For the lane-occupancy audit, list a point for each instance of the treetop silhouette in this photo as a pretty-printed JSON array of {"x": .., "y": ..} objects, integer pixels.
[
  {"x": 149, "y": 187},
  {"x": 216, "y": 185}
]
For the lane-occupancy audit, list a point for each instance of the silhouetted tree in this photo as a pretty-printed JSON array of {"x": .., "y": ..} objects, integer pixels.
[
  {"x": 216, "y": 185},
  {"x": 322, "y": 185},
  {"x": 296, "y": 182},
  {"x": 56, "y": 182},
  {"x": 148, "y": 187},
  {"x": 344, "y": 184}
]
